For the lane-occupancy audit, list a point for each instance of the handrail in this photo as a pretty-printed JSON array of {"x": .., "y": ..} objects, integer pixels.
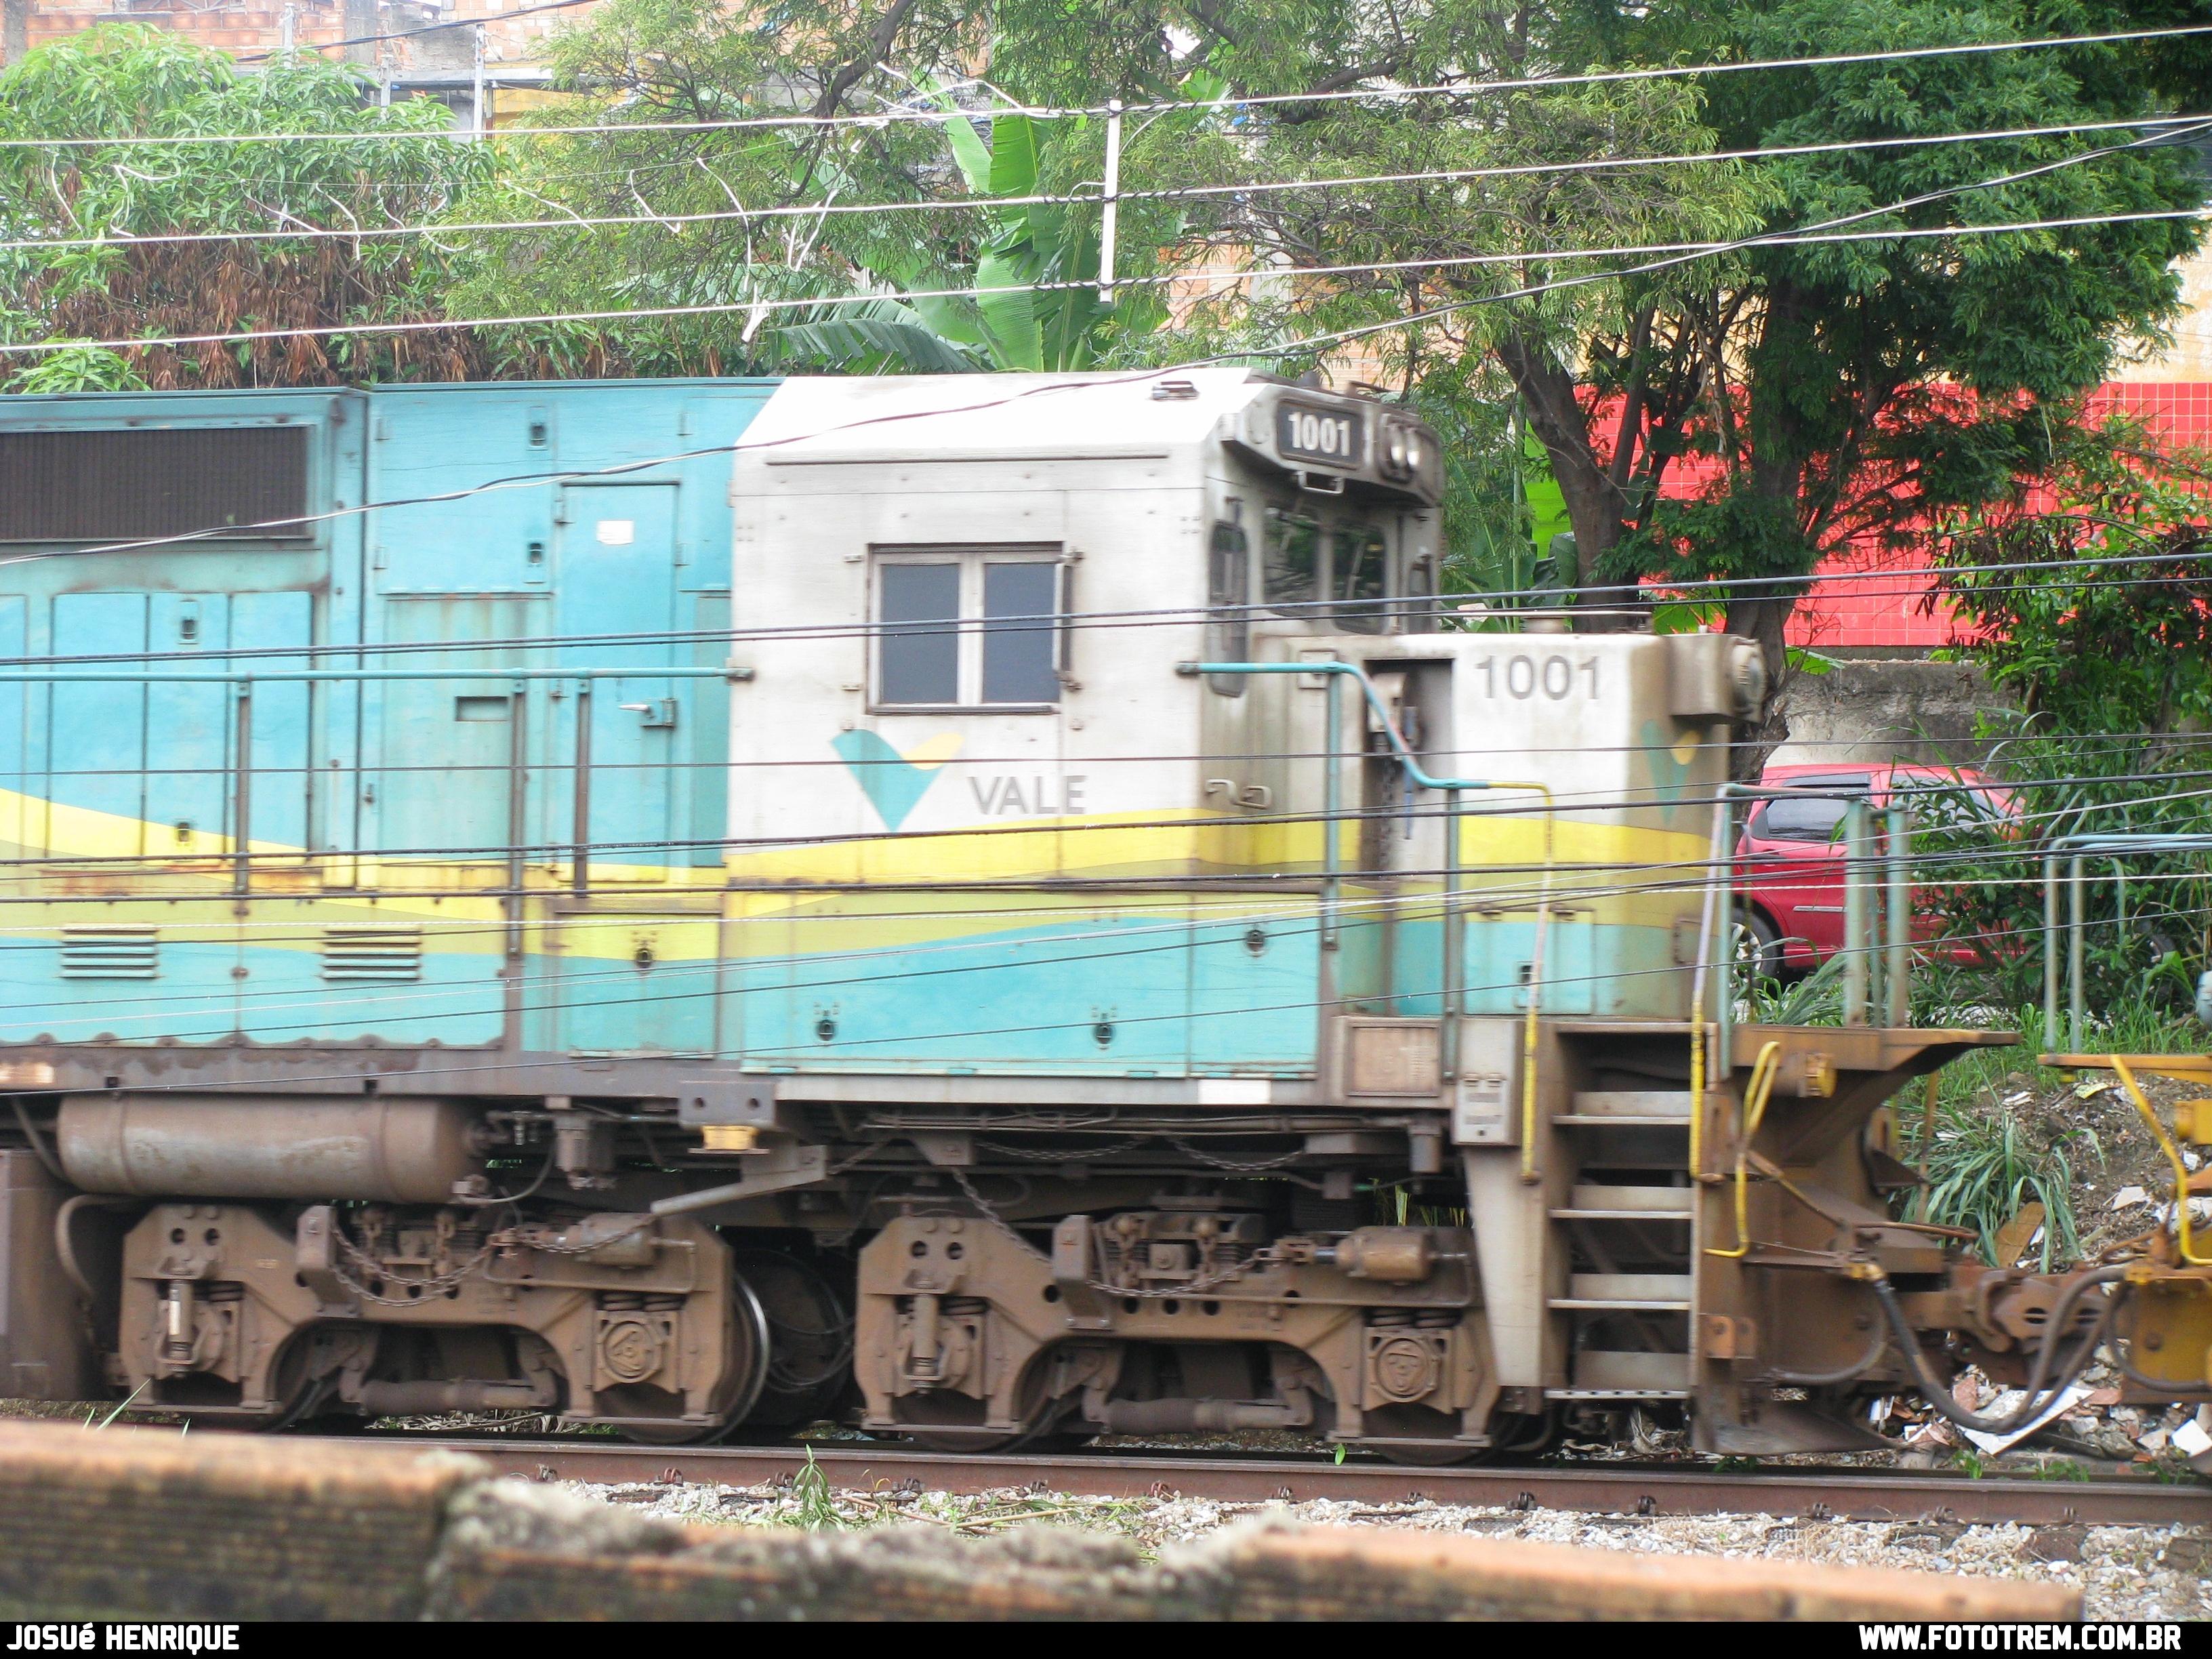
[
  {"x": 2075, "y": 850},
  {"x": 1863, "y": 952},
  {"x": 1755, "y": 1093},
  {"x": 346, "y": 676},
  {"x": 1453, "y": 787}
]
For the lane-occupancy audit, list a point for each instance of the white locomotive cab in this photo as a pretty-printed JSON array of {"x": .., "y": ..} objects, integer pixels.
[{"x": 975, "y": 594}]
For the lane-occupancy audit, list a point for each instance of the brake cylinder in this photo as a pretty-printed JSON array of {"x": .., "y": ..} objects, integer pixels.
[{"x": 394, "y": 1151}]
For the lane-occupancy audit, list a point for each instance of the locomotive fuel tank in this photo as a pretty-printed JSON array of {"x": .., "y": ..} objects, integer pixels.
[{"x": 395, "y": 1150}]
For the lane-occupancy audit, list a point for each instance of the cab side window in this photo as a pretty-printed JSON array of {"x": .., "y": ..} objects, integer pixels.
[
  {"x": 1229, "y": 596},
  {"x": 919, "y": 648},
  {"x": 968, "y": 628}
]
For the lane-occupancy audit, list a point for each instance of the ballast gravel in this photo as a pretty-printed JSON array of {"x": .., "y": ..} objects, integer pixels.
[{"x": 2124, "y": 1572}]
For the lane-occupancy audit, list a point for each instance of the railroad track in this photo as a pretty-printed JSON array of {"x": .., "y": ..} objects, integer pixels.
[{"x": 1818, "y": 1493}]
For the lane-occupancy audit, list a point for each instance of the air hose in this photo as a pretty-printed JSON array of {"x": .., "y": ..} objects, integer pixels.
[{"x": 2041, "y": 1390}]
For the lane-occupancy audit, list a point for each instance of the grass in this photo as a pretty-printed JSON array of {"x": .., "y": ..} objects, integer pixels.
[{"x": 816, "y": 1506}]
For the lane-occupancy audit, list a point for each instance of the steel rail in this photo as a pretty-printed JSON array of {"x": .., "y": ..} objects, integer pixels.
[{"x": 1814, "y": 1493}]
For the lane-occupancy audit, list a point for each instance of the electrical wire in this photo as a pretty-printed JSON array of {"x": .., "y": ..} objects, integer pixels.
[
  {"x": 493, "y": 18},
  {"x": 1225, "y": 104},
  {"x": 676, "y": 221},
  {"x": 1682, "y": 250}
]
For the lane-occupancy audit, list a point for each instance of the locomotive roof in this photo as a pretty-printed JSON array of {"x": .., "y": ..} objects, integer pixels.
[{"x": 813, "y": 419}]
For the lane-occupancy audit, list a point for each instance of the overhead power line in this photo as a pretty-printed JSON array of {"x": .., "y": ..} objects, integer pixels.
[
  {"x": 1814, "y": 233},
  {"x": 676, "y": 221},
  {"x": 903, "y": 114},
  {"x": 425, "y": 28},
  {"x": 723, "y": 307}
]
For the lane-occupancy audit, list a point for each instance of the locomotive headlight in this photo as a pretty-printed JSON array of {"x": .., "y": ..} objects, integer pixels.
[{"x": 1401, "y": 451}]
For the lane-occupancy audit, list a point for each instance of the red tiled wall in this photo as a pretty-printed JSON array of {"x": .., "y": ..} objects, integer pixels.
[{"x": 1864, "y": 608}]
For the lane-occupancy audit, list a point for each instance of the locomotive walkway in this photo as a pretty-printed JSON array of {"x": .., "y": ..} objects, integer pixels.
[{"x": 1826, "y": 1493}]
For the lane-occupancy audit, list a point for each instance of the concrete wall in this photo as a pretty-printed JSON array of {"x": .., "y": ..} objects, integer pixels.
[{"x": 1871, "y": 709}]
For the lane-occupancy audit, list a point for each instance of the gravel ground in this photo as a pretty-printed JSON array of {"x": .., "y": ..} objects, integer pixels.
[{"x": 2124, "y": 1572}]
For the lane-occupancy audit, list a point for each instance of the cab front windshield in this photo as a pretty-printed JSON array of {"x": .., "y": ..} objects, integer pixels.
[{"x": 1334, "y": 571}]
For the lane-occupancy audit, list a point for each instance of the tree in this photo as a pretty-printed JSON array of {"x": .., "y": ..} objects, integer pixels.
[
  {"x": 1851, "y": 387},
  {"x": 1740, "y": 414},
  {"x": 93, "y": 282},
  {"x": 2083, "y": 592},
  {"x": 1037, "y": 308},
  {"x": 752, "y": 227}
]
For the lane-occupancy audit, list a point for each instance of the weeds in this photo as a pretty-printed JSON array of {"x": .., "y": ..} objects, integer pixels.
[
  {"x": 1986, "y": 1165},
  {"x": 2061, "y": 1468},
  {"x": 119, "y": 1411},
  {"x": 1815, "y": 999},
  {"x": 813, "y": 1505}
]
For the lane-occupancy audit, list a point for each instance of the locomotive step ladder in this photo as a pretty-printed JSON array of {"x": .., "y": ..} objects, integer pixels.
[{"x": 1627, "y": 1243}]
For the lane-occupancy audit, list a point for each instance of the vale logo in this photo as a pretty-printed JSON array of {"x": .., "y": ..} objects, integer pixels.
[{"x": 894, "y": 782}]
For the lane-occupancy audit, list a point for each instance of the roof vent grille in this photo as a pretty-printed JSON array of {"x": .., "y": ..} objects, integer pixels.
[
  {"x": 372, "y": 956},
  {"x": 110, "y": 953}
]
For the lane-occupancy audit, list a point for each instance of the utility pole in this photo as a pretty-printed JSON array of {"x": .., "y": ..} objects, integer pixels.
[
  {"x": 14, "y": 30},
  {"x": 1110, "y": 217},
  {"x": 284, "y": 29},
  {"x": 476, "y": 93}
]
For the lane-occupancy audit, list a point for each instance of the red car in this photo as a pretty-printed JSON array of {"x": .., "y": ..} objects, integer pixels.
[{"x": 1790, "y": 858}]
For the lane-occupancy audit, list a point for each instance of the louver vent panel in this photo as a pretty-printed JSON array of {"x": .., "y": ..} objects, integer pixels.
[
  {"x": 372, "y": 956},
  {"x": 110, "y": 953},
  {"x": 113, "y": 484}
]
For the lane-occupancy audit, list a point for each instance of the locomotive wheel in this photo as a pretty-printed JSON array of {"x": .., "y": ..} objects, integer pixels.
[
  {"x": 1442, "y": 1455},
  {"x": 749, "y": 1361},
  {"x": 921, "y": 1413},
  {"x": 810, "y": 1325}
]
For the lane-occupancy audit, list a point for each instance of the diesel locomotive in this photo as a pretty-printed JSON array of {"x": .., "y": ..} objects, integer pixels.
[{"x": 988, "y": 907}]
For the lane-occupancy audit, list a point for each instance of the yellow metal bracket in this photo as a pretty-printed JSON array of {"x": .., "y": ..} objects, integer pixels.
[
  {"x": 2194, "y": 1068},
  {"x": 1756, "y": 1091}
]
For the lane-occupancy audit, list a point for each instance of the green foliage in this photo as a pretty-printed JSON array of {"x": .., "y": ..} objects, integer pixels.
[
  {"x": 1981, "y": 879},
  {"x": 1842, "y": 390},
  {"x": 814, "y": 1506},
  {"x": 1036, "y": 265},
  {"x": 1985, "y": 1165},
  {"x": 78, "y": 368},
  {"x": 2092, "y": 647},
  {"x": 751, "y": 226},
  {"x": 1817, "y": 999},
  {"x": 131, "y": 81}
]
